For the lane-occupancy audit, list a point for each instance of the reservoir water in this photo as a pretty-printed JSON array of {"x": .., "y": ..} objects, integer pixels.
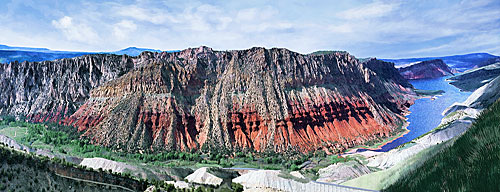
[{"x": 426, "y": 113}]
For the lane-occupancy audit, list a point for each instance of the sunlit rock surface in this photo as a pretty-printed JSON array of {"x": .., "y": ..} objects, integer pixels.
[{"x": 257, "y": 98}]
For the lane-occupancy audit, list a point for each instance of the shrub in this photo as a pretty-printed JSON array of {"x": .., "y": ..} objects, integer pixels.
[
  {"x": 199, "y": 189},
  {"x": 61, "y": 150},
  {"x": 336, "y": 159},
  {"x": 237, "y": 187}
]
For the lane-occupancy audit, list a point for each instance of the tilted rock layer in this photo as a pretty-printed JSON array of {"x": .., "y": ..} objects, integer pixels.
[
  {"x": 426, "y": 70},
  {"x": 264, "y": 99}
]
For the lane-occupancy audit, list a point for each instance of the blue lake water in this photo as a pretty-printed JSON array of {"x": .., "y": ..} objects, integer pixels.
[{"x": 426, "y": 113}]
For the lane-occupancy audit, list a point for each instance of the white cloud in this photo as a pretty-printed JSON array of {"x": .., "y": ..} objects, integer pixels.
[
  {"x": 255, "y": 14},
  {"x": 204, "y": 18},
  {"x": 344, "y": 28},
  {"x": 467, "y": 44},
  {"x": 382, "y": 28},
  {"x": 375, "y": 9},
  {"x": 78, "y": 32},
  {"x": 123, "y": 29},
  {"x": 152, "y": 15}
]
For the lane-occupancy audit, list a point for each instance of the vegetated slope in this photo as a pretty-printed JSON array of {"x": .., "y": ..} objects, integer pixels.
[
  {"x": 22, "y": 172},
  {"x": 458, "y": 62},
  {"x": 262, "y": 99},
  {"x": 472, "y": 163},
  {"x": 426, "y": 70},
  {"x": 475, "y": 78}
]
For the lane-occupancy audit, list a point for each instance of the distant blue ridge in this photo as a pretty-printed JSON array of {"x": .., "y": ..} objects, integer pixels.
[
  {"x": 9, "y": 54},
  {"x": 459, "y": 62}
]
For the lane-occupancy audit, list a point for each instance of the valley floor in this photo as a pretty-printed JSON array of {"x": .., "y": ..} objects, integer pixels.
[{"x": 352, "y": 171}]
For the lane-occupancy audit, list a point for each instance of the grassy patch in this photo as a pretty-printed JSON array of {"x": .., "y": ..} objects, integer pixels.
[
  {"x": 14, "y": 132},
  {"x": 339, "y": 159}
]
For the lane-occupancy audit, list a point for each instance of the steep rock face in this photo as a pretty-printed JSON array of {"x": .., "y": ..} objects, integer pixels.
[
  {"x": 426, "y": 70},
  {"x": 257, "y": 98},
  {"x": 52, "y": 90},
  {"x": 475, "y": 78}
]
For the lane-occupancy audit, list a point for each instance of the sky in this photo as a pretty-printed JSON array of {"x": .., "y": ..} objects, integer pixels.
[{"x": 365, "y": 28}]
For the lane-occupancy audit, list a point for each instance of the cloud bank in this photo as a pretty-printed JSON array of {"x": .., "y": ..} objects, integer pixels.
[{"x": 376, "y": 28}]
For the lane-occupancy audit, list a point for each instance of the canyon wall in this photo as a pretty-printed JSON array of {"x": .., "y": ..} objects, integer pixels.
[
  {"x": 53, "y": 90},
  {"x": 262, "y": 99}
]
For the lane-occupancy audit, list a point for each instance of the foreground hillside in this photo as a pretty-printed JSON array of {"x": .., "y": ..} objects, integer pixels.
[
  {"x": 472, "y": 163},
  {"x": 256, "y": 99},
  {"x": 26, "y": 172}
]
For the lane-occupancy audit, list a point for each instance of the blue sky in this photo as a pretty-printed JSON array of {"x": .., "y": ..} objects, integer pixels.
[{"x": 365, "y": 28}]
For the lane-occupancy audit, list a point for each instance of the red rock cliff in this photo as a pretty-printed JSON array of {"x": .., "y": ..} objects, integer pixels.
[
  {"x": 426, "y": 70},
  {"x": 257, "y": 98}
]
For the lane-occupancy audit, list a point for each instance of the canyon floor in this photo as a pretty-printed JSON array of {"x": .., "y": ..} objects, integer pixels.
[
  {"x": 351, "y": 171},
  {"x": 315, "y": 172}
]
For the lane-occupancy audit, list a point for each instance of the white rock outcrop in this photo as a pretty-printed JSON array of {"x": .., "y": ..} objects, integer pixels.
[
  {"x": 297, "y": 174},
  {"x": 340, "y": 172},
  {"x": 106, "y": 164},
  {"x": 178, "y": 184},
  {"x": 12, "y": 143},
  {"x": 270, "y": 180},
  {"x": 202, "y": 176}
]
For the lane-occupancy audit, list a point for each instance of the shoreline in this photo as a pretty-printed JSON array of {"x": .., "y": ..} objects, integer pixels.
[{"x": 369, "y": 150}]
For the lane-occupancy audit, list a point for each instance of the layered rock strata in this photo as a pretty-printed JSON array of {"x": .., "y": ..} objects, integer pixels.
[{"x": 262, "y": 99}]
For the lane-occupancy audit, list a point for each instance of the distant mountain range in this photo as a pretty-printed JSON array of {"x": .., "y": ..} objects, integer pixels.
[
  {"x": 9, "y": 54},
  {"x": 458, "y": 62},
  {"x": 5, "y": 47},
  {"x": 134, "y": 51}
]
